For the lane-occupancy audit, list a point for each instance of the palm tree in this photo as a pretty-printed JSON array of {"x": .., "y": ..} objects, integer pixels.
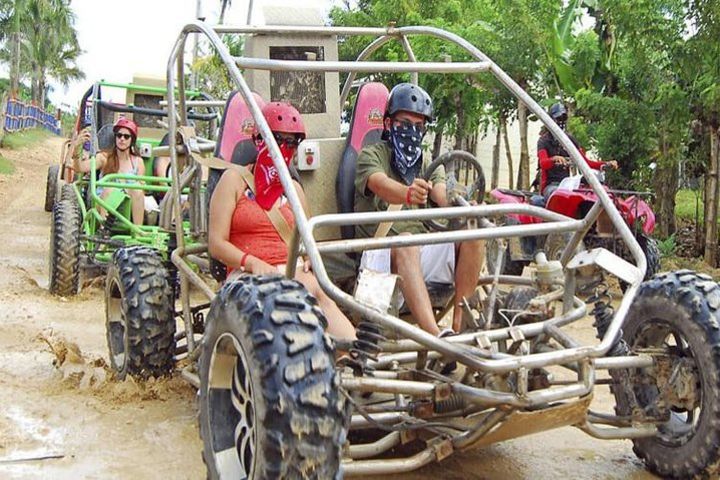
[
  {"x": 42, "y": 43},
  {"x": 52, "y": 50},
  {"x": 12, "y": 25},
  {"x": 224, "y": 4}
]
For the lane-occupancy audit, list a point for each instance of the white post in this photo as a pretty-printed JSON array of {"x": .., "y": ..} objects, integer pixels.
[{"x": 198, "y": 15}]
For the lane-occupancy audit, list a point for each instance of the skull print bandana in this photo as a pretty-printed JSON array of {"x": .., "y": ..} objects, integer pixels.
[{"x": 406, "y": 141}]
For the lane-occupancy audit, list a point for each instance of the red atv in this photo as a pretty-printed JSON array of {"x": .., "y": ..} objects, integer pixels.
[{"x": 574, "y": 198}]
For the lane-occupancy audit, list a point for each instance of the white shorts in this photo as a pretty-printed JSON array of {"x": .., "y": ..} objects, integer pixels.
[{"x": 437, "y": 262}]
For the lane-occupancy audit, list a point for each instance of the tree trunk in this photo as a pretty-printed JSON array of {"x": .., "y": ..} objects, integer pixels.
[
  {"x": 3, "y": 110},
  {"x": 524, "y": 167},
  {"x": 471, "y": 143},
  {"x": 666, "y": 181},
  {"x": 460, "y": 127},
  {"x": 437, "y": 142},
  {"x": 712, "y": 194},
  {"x": 36, "y": 79},
  {"x": 494, "y": 175},
  {"x": 15, "y": 65},
  {"x": 508, "y": 154},
  {"x": 41, "y": 90}
]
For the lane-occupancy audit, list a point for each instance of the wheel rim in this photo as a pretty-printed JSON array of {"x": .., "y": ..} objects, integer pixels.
[
  {"x": 231, "y": 410},
  {"x": 116, "y": 328},
  {"x": 683, "y": 421}
]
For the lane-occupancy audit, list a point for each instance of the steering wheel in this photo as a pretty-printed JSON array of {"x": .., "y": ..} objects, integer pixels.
[{"x": 465, "y": 183}]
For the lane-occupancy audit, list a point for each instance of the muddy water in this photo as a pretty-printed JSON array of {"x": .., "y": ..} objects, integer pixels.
[{"x": 71, "y": 422}]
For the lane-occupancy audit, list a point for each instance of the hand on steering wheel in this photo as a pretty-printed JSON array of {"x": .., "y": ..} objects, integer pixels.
[{"x": 464, "y": 181}]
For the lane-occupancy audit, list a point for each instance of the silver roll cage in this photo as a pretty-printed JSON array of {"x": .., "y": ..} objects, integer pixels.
[{"x": 463, "y": 347}]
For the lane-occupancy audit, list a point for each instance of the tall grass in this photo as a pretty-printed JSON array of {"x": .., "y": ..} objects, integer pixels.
[
  {"x": 18, "y": 140},
  {"x": 686, "y": 201}
]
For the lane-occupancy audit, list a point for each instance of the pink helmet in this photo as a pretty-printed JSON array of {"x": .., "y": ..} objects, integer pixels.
[
  {"x": 126, "y": 123},
  {"x": 283, "y": 117}
]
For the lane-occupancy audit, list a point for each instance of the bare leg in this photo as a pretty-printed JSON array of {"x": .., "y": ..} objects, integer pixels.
[
  {"x": 104, "y": 195},
  {"x": 338, "y": 324},
  {"x": 471, "y": 256},
  {"x": 137, "y": 198},
  {"x": 406, "y": 263}
]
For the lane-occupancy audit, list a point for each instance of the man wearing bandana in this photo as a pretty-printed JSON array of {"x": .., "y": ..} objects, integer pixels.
[{"x": 388, "y": 173}]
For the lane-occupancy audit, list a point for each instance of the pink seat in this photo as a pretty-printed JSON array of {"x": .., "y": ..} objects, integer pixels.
[
  {"x": 366, "y": 127},
  {"x": 237, "y": 127}
]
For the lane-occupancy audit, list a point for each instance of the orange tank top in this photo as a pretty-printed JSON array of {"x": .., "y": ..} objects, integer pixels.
[{"x": 252, "y": 231}]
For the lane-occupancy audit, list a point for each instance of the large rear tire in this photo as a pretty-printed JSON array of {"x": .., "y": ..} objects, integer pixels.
[
  {"x": 676, "y": 315},
  {"x": 270, "y": 405},
  {"x": 51, "y": 186},
  {"x": 651, "y": 250},
  {"x": 65, "y": 249},
  {"x": 139, "y": 314}
]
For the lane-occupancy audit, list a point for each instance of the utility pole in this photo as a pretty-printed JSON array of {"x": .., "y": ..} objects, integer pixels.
[
  {"x": 249, "y": 15},
  {"x": 198, "y": 15}
]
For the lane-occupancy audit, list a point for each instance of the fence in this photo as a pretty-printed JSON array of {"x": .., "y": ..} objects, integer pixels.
[{"x": 21, "y": 116}]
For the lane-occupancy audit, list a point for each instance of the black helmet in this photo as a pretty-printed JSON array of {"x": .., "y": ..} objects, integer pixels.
[
  {"x": 557, "y": 111},
  {"x": 409, "y": 98}
]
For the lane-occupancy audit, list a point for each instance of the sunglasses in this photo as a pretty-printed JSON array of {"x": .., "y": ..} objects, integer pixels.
[
  {"x": 126, "y": 136},
  {"x": 406, "y": 124},
  {"x": 293, "y": 141}
]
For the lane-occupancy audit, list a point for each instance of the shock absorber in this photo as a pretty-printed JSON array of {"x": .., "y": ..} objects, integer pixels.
[
  {"x": 603, "y": 312},
  {"x": 366, "y": 346},
  {"x": 174, "y": 278},
  {"x": 451, "y": 404}
]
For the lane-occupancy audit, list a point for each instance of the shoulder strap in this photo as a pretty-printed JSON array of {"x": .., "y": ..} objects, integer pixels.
[
  {"x": 276, "y": 218},
  {"x": 384, "y": 227}
]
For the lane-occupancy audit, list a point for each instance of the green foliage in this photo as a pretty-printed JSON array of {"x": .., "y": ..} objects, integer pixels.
[
  {"x": 689, "y": 204},
  {"x": 511, "y": 33},
  {"x": 641, "y": 78},
  {"x": 210, "y": 69},
  {"x": 41, "y": 43},
  {"x": 667, "y": 246}
]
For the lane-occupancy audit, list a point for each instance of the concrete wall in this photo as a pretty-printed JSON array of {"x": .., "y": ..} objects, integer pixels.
[{"x": 484, "y": 152}]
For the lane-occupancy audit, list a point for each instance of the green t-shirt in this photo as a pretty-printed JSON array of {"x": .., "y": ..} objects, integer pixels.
[{"x": 376, "y": 158}]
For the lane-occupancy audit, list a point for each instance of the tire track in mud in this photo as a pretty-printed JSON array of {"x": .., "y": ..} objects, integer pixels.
[{"x": 125, "y": 430}]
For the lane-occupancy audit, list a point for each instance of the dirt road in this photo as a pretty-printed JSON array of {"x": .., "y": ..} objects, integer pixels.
[{"x": 71, "y": 422}]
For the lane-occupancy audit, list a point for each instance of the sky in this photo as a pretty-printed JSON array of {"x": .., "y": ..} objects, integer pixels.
[{"x": 126, "y": 37}]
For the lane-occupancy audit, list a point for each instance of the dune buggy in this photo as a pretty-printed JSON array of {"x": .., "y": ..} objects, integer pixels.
[
  {"x": 273, "y": 401},
  {"x": 82, "y": 237}
]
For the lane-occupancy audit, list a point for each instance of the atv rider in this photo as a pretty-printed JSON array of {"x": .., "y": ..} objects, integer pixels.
[
  {"x": 388, "y": 173},
  {"x": 554, "y": 161}
]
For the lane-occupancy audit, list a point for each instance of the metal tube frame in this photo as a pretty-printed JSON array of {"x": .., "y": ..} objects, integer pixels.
[{"x": 459, "y": 347}]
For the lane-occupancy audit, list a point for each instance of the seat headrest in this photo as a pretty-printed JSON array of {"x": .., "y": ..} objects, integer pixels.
[{"x": 237, "y": 124}]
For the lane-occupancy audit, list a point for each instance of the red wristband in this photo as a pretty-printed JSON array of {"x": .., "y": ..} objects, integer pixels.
[
  {"x": 243, "y": 259},
  {"x": 407, "y": 197}
]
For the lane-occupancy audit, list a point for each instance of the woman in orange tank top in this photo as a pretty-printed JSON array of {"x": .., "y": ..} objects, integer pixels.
[{"x": 241, "y": 234}]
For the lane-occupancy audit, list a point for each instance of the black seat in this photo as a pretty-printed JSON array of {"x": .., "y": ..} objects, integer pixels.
[{"x": 366, "y": 127}]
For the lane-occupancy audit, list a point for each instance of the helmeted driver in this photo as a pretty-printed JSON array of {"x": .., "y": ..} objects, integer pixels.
[
  {"x": 553, "y": 160},
  {"x": 389, "y": 173}
]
